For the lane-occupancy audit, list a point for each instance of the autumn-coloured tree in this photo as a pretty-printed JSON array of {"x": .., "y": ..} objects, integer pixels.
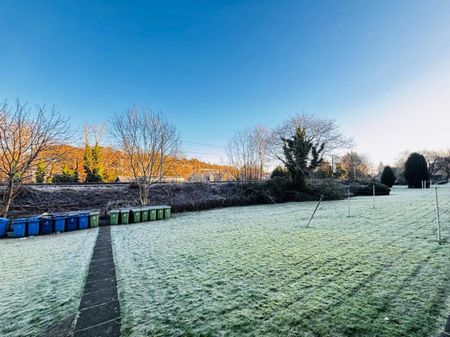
[{"x": 353, "y": 165}]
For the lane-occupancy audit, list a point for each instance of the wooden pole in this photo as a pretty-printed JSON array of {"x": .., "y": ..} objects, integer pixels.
[
  {"x": 315, "y": 209},
  {"x": 438, "y": 224}
]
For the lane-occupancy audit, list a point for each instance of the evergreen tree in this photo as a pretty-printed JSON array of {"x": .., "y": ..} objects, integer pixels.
[
  {"x": 40, "y": 173},
  {"x": 388, "y": 177},
  {"x": 279, "y": 171},
  {"x": 416, "y": 170},
  {"x": 93, "y": 166},
  {"x": 301, "y": 156},
  {"x": 68, "y": 175}
]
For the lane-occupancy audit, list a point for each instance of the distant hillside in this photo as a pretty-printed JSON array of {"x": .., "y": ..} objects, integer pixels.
[{"x": 115, "y": 164}]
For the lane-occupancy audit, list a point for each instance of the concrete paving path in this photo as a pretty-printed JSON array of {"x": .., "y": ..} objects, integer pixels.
[{"x": 99, "y": 310}]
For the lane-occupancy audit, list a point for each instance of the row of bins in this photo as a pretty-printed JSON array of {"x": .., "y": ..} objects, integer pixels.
[
  {"x": 50, "y": 223},
  {"x": 139, "y": 214}
]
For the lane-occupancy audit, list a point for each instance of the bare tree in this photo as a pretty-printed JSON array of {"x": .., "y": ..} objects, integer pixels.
[
  {"x": 93, "y": 133},
  {"x": 27, "y": 136},
  {"x": 319, "y": 130},
  {"x": 437, "y": 161},
  {"x": 248, "y": 152},
  {"x": 150, "y": 143},
  {"x": 241, "y": 152},
  {"x": 261, "y": 138}
]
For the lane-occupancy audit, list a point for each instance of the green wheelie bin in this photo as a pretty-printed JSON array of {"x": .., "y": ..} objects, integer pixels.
[
  {"x": 160, "y": 212},
  {"x": 152, "y": 213},
  {"x": 136, "y": 215},
  {"x": 124, "y": 216},
  {"x": 114, "y": 217},
  {"x": 144, "y": 214},
  {"x": 167, "y": 212},
  {"x": 94, "y": 218}
]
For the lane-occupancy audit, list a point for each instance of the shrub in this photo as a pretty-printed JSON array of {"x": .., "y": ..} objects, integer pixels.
[
  {"x": 388, "y": 176},
  {"x": 330, "y": 189},
  {"x": 279, "y": 171},
  {"x": 281, "y": 188},
  {"x": 416, "y": 170},
  {"x": 364, "y": 187}
]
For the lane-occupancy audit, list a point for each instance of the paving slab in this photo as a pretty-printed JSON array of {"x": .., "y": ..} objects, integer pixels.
[
  {"x": 110, "y": 329},
  {"x": 99, "y": 285},
  {"x": 101, "y": 274},
  {"x": 99, "y": 297},
  {"x": 98, "y": 314}
]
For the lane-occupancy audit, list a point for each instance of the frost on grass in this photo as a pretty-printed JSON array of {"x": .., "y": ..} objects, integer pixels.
[
  {"x": 41, "y": 280},
  {"x": 254, "y": 271}
]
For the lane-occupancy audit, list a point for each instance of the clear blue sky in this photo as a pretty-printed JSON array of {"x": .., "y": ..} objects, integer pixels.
[{"x": 215, "y": 66}]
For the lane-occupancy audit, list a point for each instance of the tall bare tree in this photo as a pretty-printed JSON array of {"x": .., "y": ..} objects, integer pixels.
[
  {"x": 319, "y": 130},
  {"x": 248, "y": 152},
  {"x": 27, "y": 137},
  {"x": 150, "y": 143},
  {"x": 261, "y": 137},
  {"x": 241, "y": 155}
]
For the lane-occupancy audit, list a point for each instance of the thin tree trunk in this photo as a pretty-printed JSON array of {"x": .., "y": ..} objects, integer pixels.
[{"x": 8, "y": 197}]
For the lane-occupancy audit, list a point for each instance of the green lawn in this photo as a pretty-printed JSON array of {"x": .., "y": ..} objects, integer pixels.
[
  {"x": 41, "y": 280},
  {"x": 254, "y": 271}
]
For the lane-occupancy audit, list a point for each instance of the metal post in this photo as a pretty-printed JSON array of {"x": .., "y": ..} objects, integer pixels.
[
  {"x": 315, "y": 209},
  {"x": 348, "y": 197},
  {"x": 373, "y": 188},
  {"x": 332, "y": 167},
  {"x": 438, "y": 224}
]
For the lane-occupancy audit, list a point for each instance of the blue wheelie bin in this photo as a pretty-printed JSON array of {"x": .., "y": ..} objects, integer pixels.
[
  {"x": 46, "y": 224},
  {"x": 19, "y": 226},
  {"x": 60, "y": 223},
  {"x": 72, "y": 222},
  {"x": 3, "y": 226},
  {"x": 83, "y": 220},
  {"x": 33, "y": 226}
]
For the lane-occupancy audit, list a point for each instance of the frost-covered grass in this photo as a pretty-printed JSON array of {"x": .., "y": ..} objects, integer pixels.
[
  {"x": 41, "y": 280},
  {"x": 254, "y": 271}
]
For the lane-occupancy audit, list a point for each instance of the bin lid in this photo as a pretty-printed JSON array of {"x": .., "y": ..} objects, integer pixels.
[
  {"x": 136, "y": 209},
  {"x": 94, "y": 213},
  {"x": 4, "y": 219},
  {"x": 114, "y": 211},
  {"x": 19, "y": 220},
  {"x": 161, "y": 206}
]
